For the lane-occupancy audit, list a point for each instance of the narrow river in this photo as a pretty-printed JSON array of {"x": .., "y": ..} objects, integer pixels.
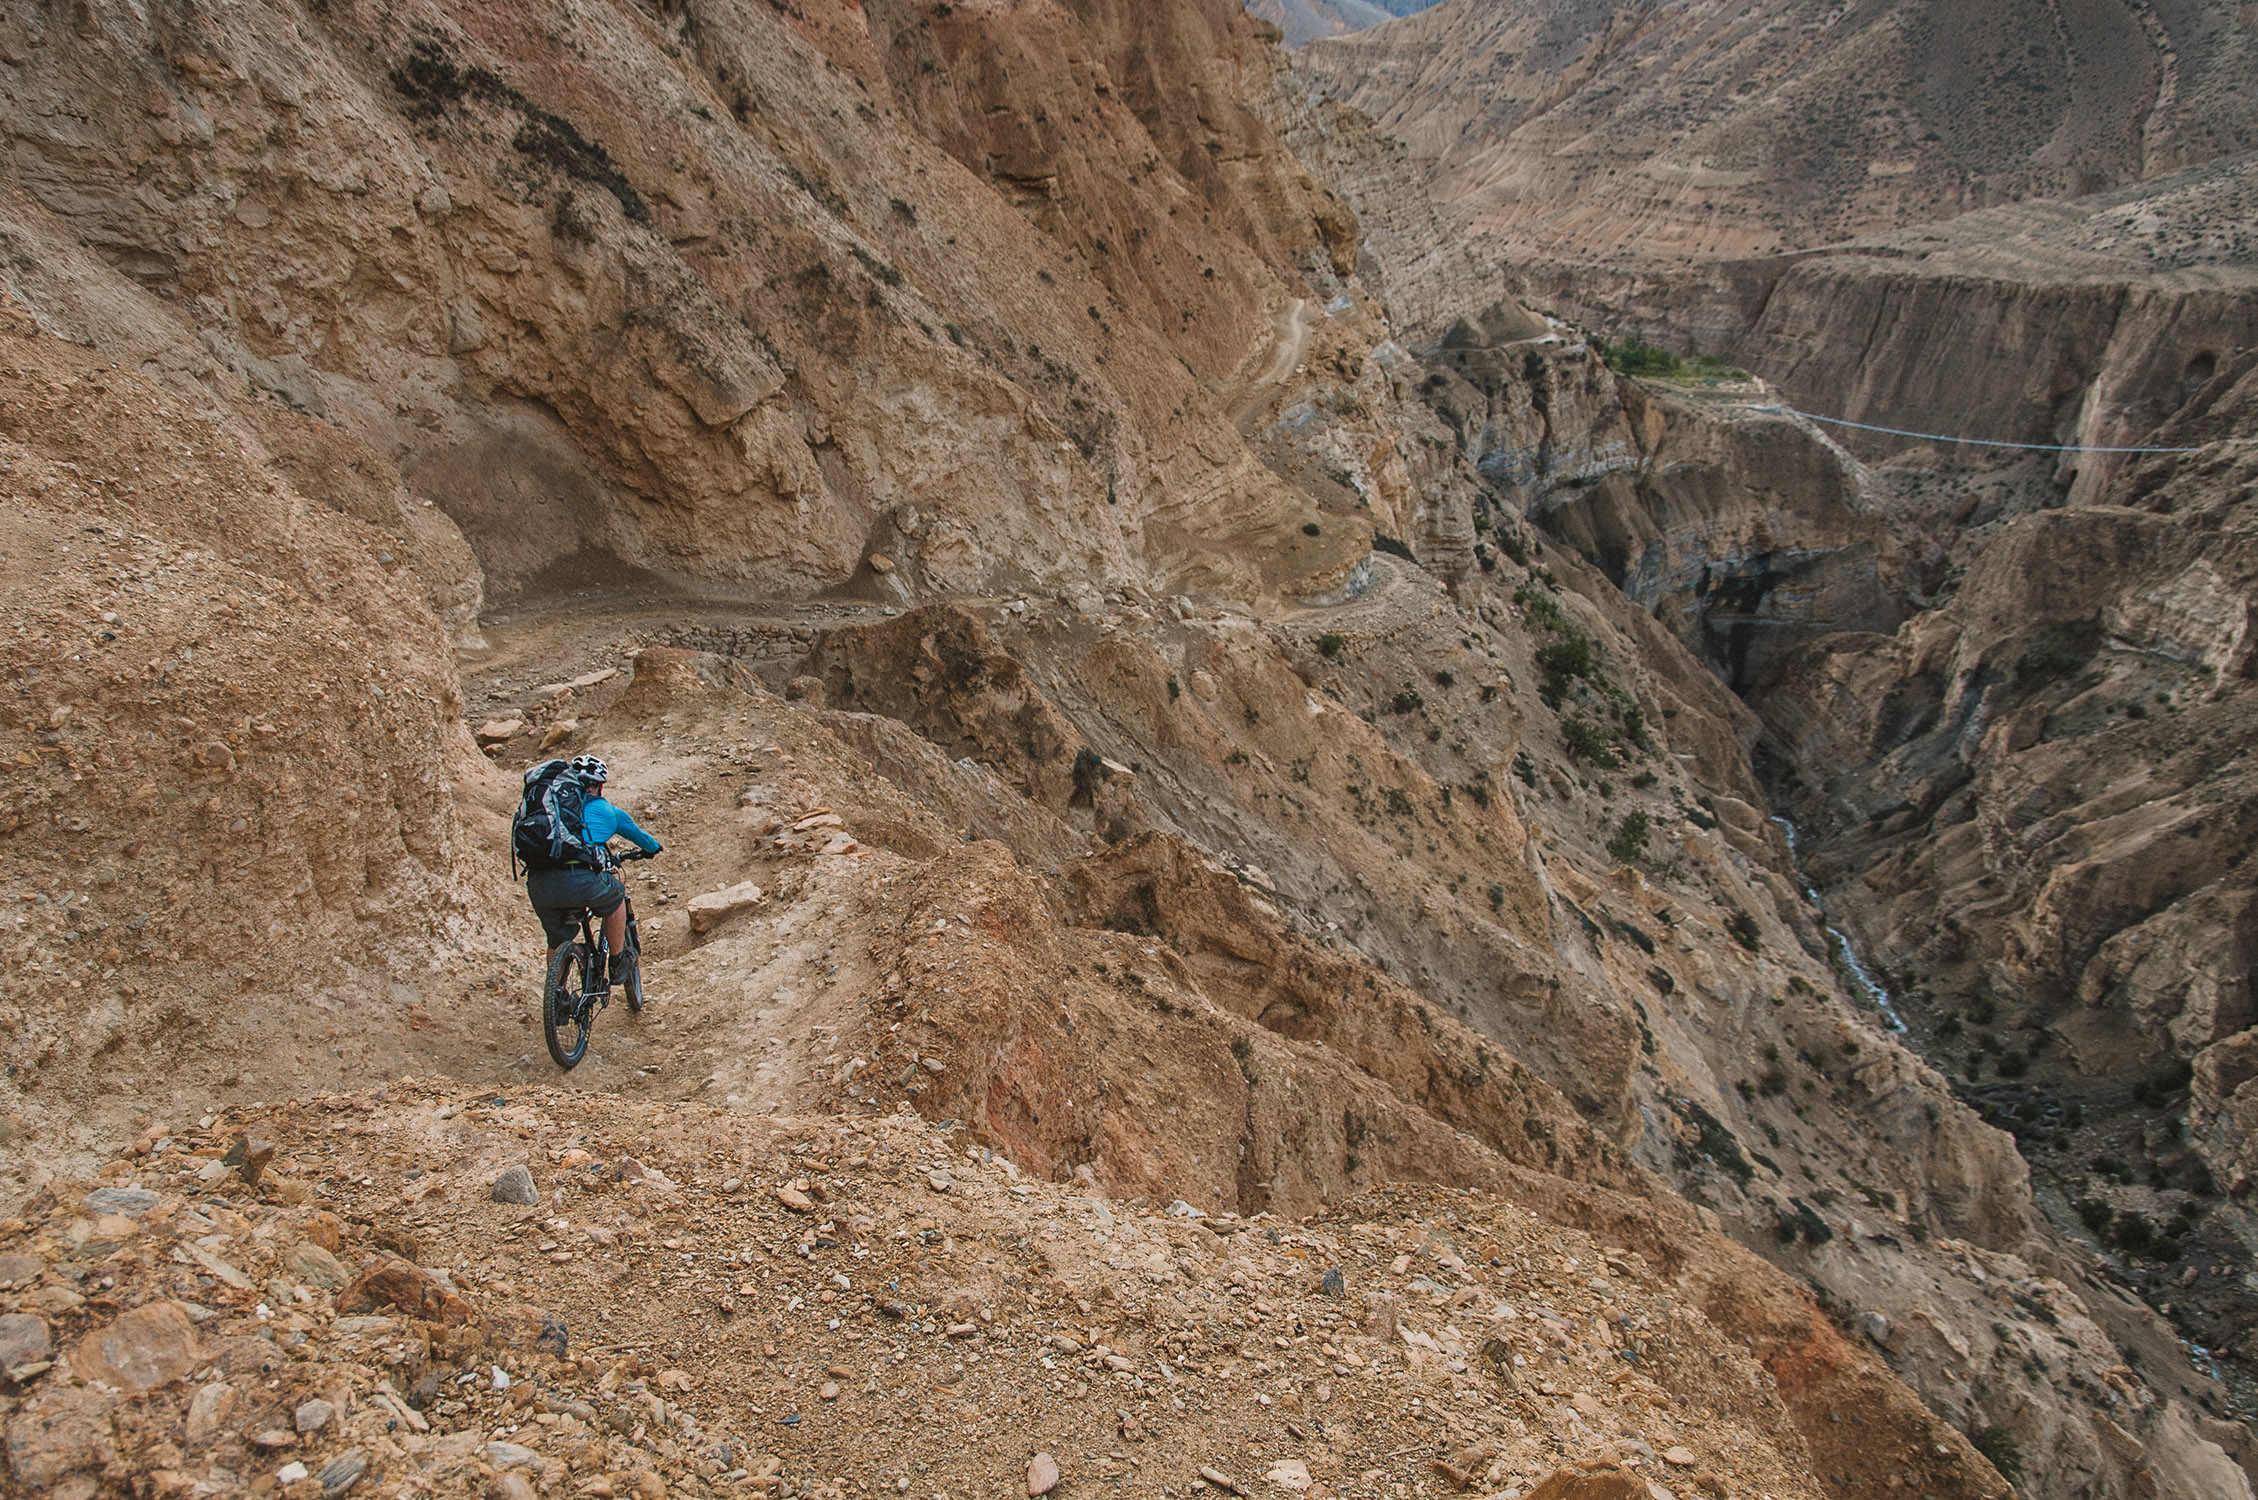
[{"x": 1843, "y": 951}]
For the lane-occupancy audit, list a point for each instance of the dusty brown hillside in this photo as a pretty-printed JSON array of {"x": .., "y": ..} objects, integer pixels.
[
  {"x": 664, "y": 279},
  {"x": 830, "y": 1307},
  {"x": 1644, "y": 135},
  {"x": 1125, "y": 695}
]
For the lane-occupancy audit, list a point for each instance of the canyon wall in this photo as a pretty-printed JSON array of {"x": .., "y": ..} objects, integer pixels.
[{"x": 1019, "y": 428}]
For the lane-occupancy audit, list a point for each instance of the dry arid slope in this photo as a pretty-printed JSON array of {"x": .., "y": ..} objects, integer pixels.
[
  {"x": 1649, "y": 134},
  {"x": 818, "y": 411},
  {"x": 1300, "y": 21},
  {"x": 2001, "y": 692}
]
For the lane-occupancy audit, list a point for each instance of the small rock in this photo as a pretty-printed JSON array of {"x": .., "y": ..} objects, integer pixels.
[
  {"x": 1335, "y": 1284},
  {"x": 1876, "y": 1327},
  {"x": 515, "y": 1486},
  {"x": 715, "y": 907},
  {"x": 290, "y": 1473},
  {"x": 509, "y": 1455},
  {"x": 1679, "y": 1457},
  {"x": 150, "y": 1346},
  {"x": 23, "y": 1341},
  {"x": 314, "y": 1415},
  {"x": 132, "y": 1202},
  {"x": 881, "y": 564},
  {"x": 343, "y": 1472},
  {"x": 517, "y": 1186},
  {"x": 273, "y": 1437},
  {"x": 54, "y": 1300},
  {"x": 249, "y": 1156},
  {"x": 317, "y": 1267},
  {"x": 208, "y": 1411},
  {"x": 795, "y": 1200},
  {"x": 558, "y": 733},
  {"x": 932, "y": 1065},
  {"x": 408, "y": 1287},
  {"x": 58, "y": 1434},
  {"x": 938, "y": 1181},
  {"x": 1042, "y": 1475},
  {"x": 828, "y": 1391},
  {"x": 1289, "y": 1474},
  {"x": 500, "y": 731},
  {"x": 17, "y": 1269},
  {"x": 1221, "y": 1480}
]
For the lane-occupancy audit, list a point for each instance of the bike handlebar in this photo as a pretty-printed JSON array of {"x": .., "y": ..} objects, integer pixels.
[{"x": 635, "y": 854}]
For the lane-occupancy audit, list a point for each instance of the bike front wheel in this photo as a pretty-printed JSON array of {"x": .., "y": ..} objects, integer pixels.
[
  {"x": 632, "y": 988},
  {"x": 566, "y": 1015}
]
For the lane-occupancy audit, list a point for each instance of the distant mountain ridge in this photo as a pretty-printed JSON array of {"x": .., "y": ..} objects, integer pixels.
[
  {"x": 1657, "y": 133},
  {"x": 1304, "y": 21}
]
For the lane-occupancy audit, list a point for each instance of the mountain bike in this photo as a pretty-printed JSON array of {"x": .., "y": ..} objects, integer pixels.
[{"x": 577, "y": 985}]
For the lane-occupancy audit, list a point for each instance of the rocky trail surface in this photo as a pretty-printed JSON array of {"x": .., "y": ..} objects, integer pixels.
[
  {"x": 1086, "y": 792},
  {"x": 437, "y": 1291}
]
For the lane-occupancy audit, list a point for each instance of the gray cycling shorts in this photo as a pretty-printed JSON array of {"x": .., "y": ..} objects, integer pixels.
[{"x": 559, "y": 896}]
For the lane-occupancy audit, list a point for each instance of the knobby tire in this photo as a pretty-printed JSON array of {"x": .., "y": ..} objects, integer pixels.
[{"x": 566, "y": 1017}]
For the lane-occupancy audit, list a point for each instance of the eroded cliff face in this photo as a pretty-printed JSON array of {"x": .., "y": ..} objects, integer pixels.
[
  {"x": 1648, "y": 135},
  {"x": 685, "y": 286},
  {"x": 839, "y": 343},
  {"x": 2041, "y": 797}
]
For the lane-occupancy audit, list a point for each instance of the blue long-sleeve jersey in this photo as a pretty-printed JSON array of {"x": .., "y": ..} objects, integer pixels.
[{"x": 600, "y": 822}]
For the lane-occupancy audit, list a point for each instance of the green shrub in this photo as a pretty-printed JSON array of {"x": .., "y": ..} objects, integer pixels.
[
  {"x": 1743, "y": 928},
  {"x": 1590, "y": 742},
  {"x": 1382, "y": 542},
  {"x": 1635, "y": 358},
  {"x": 2132, "y": 1232},
  {"x": 1330, "y": 646},
  {"x": 1629, "y": 841},
  {"x": 2094, "y": 1214},
  {"x": 1569, "y": 657},
  {"x": 1999, "y": 1445}
]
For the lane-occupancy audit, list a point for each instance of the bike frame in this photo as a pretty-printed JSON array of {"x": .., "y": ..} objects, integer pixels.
[{"x": 592, "y": 939}]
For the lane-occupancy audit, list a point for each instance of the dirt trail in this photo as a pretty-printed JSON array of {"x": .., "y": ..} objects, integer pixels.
[{"x": 1289, "y": 333}]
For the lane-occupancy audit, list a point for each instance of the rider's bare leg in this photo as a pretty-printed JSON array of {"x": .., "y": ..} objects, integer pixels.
[{"x": 615, "y": 929}]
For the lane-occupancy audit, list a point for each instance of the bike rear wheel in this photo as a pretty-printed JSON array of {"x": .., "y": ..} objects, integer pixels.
[{"x": 566, "y": 1015}]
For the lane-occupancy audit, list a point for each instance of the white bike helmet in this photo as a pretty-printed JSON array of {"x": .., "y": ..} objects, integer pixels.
[{"x": 589, "y": 768}]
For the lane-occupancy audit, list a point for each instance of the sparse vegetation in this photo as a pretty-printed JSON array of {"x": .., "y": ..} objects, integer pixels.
[
  {"x": 1635, "y": 358},
  {"x": 1998, "y": 1445},
  {"x": 1629, "y": 842},
  {"x": 1743, "y": 930}
]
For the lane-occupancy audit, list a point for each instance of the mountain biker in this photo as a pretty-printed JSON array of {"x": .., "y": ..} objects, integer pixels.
[{"x": 558, "y": 893}]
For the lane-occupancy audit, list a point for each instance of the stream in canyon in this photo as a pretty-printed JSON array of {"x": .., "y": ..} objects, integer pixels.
[{"x": 1841, "y": 949}]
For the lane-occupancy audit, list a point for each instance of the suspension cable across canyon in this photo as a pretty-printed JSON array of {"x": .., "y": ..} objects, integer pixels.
[{"x": 1939, "y": 437}]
